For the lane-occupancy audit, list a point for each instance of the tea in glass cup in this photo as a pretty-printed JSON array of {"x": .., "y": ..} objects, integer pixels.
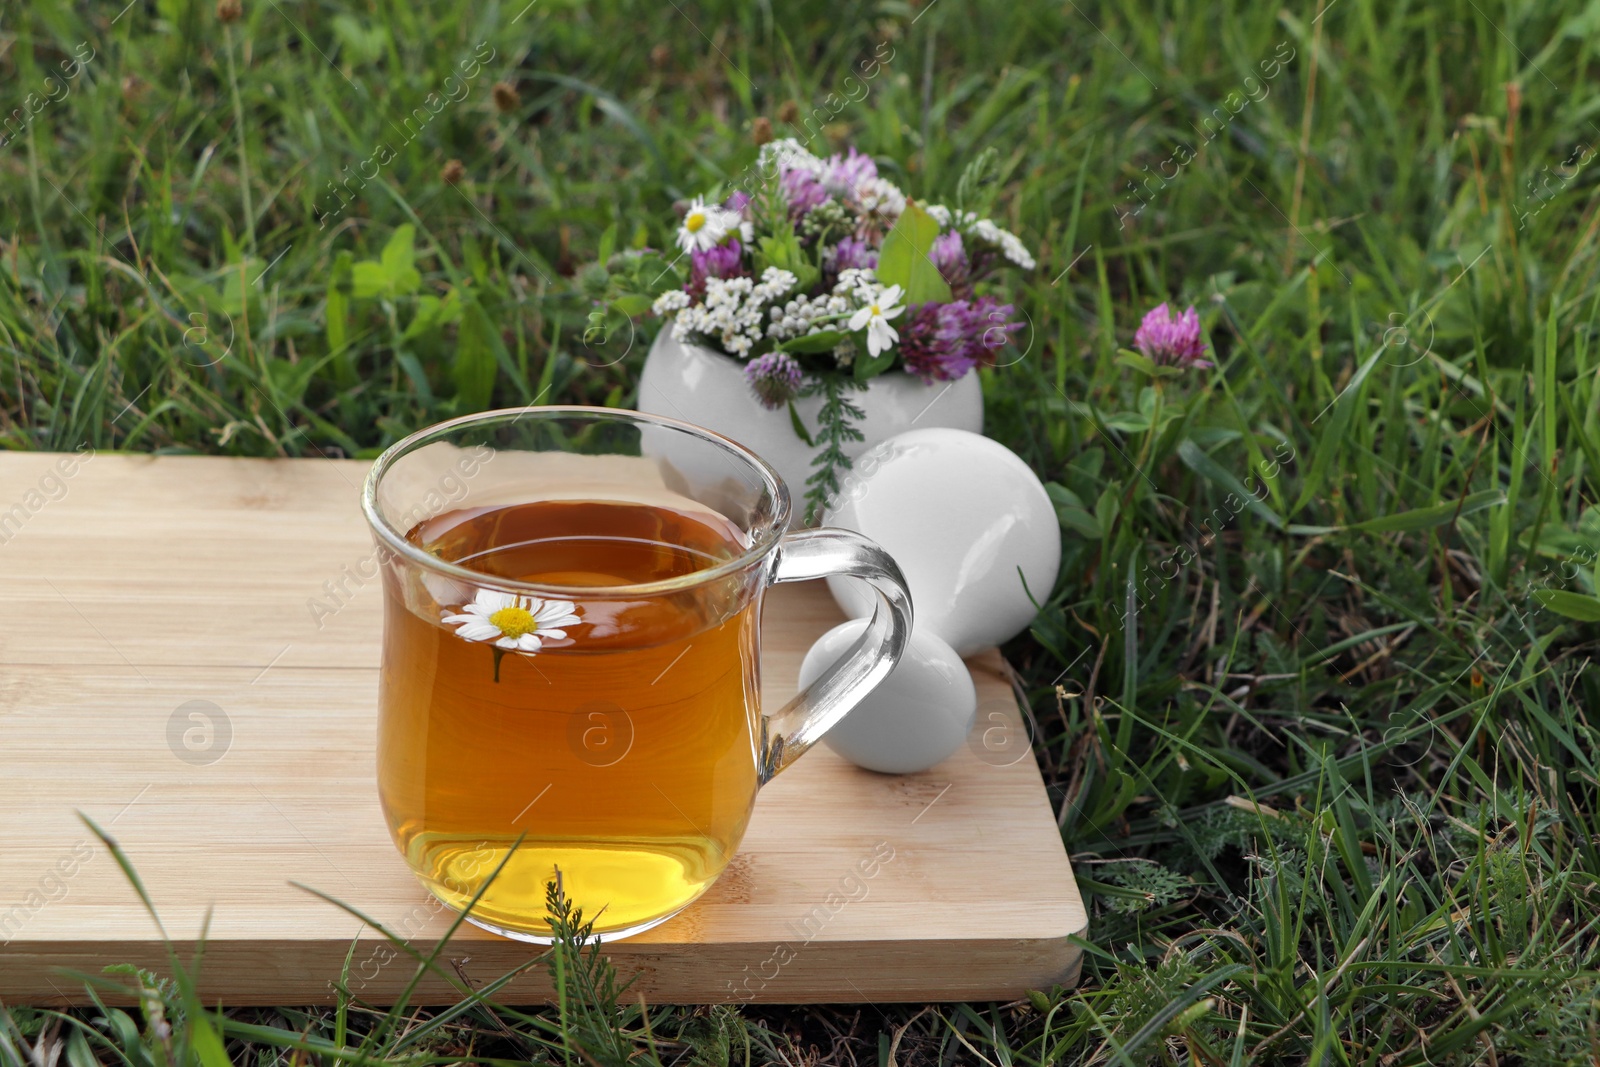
[{"x": 570, "y": 683}]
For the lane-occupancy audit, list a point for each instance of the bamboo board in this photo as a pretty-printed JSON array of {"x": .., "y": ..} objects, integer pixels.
[{"x": 139, "y": 591}]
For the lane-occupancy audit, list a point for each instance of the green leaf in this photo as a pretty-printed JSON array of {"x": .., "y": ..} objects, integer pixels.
[
  {"x": 1106, "y": 509},
  {"x": 1546, "y": 374},
  {"x": 237, "y": 288},
  {"x": 393, "y": 274},
  {"x": 1586, "y": 443},
  {"x": 426, "y": 315},
  {"x": 368, "y": 279},
  {"x": 1415, "y": 519},
  {"x": 337, "y": 311},
  {"x": 1333, "y": 434},
  {"x": 474, "y": 368},
  {"x": 1572, "y": 605},
  {"x": 1197, "y": 460},
  {"x": 1145, "y": 365},
  {"x": 476, "y": 265},
  {"x": 416, "y": 373},
  {"x": 289, "y": 380},
  {"x": 1071, "y": 511},
  {"x": 783, "y": 251},
  {"x": 824, "y": 341},
  {"x": 78, "y": 1052},
  {"x": 1137, "y": 360},
  {"x": 1128, "y": 422},
  {"x": 903, "y": 259},
  {"x": 399, "y": 259},
  {"x": 800, "y": 430},
  {"x": 205, "y": 1042},
  {"x": 866, "y": 368},
  {"x": 631, "y": 304},
  {"x": 121, "y": 1023},
  {"x": 361, "y": 42},
  {"x": 432, "y": 313}
]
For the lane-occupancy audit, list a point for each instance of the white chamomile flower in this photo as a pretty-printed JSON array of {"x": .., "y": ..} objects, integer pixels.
[
  {"x": 875, "y": 317},
  {"x": 705, "y": 225},
  {"x": 514, "y": 623}
]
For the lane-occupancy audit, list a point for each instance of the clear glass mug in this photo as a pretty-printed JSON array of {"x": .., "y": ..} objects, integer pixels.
[{"x": 570, "y": 686}]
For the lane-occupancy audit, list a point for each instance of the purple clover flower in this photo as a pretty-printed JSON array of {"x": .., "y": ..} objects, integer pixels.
[
  {"x": 803, "y": 191},
  {"x": 950, "y": 256},
  {"x": 1172, "y": 341},
  {"x": 720, "y": 261},
  {"x": 774, "y": 378},
  {"x": 944, "y": 341},
  {"x": 843, "y": 174},
  {"x": 853, "y": 253}
]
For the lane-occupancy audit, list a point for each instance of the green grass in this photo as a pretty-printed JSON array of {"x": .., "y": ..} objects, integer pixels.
[{"x": 1323, "y": 759}]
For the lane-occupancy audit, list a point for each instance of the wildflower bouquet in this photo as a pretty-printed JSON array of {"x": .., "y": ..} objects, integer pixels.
[{"x": 827, "y": 275}]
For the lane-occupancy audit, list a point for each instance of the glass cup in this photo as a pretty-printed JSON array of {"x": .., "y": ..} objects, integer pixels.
[{"x": 570, "y": 686}]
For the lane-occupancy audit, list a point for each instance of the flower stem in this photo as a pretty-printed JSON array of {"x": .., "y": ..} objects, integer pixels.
[{"x": 244, "y": 155}]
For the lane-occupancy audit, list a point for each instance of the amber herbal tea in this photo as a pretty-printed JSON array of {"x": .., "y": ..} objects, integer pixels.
[
  {"x": 617, "y": 736},
  {"x": 570, "y": 691}
]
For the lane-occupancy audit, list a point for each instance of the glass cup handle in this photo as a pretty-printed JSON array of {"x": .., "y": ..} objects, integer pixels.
[{"x": 814, "y": 711}]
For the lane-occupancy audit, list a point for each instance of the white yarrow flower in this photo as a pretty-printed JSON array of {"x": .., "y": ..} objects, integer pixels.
[
  {"x": 788, "y": 154},
  {"x": 734, "y": 311},
  {"x": 950, "y": 220},
  {"x": 670, "y": 302},
  {"x": 984, "y": 231},
  {"x": 855, "y": 279},
  {"x": 878, "y": 196},
  {"x": 1010, "y": 244},
  {"x": 1012, "y": 248},
  {"x": 775, "y": 281},
  {"x": 514, "y": 623},
  {"x": 875, "y": 318},
  {"x": 705, "y": 225}
]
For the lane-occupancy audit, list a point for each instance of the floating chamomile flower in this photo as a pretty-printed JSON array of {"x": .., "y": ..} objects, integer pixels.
[{"x": 514, "y": 623}]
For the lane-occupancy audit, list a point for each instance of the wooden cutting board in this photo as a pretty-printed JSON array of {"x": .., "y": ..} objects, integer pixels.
[{"x": 188, "y": 655}]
